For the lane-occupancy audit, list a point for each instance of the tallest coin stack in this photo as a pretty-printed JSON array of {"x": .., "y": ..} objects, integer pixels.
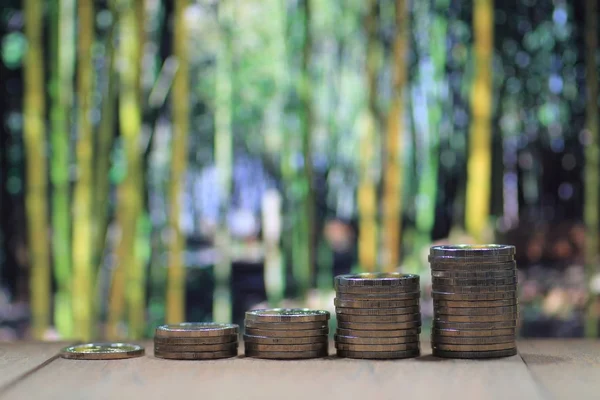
[{"x": 474, "y": 290}]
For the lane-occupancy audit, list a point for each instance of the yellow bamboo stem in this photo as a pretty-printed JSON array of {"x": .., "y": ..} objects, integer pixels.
[
  {"x": 479, "y": 167},
  {"x": 37, "y": 186}
]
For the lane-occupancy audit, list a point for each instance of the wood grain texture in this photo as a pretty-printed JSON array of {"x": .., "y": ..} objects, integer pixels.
[
  {"x": 17, "y": 359},
  {"x": 151, "y": 378},
  {"x": 566, "y": 369}
]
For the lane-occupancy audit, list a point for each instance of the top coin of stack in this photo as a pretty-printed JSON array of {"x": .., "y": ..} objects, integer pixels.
[
  {"x": 286, "y": 333},
  {"x": 378, "y": 315},
  {"x": 474, "y": 290},
  {"x": 196, "y": 341}
]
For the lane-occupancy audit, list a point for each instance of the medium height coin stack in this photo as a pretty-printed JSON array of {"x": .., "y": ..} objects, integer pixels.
[
  {"x": 474, "y": 290},
  {"x": 378, "y": 315},
  {"x": 196, "y": 341},
  {"x": 286, "y": 333}
]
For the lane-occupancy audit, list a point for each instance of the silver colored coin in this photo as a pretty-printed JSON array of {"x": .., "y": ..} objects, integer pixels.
[
  {"x": 378, "y": 279},
  {"x": 472, "y": 250},
  {"x": 376, "y": 340},
  {"x": 475, "y": 318},
  {"x": 379, "y": 355},
  {"x": 377, "y": 347},
  {"x": 472, "y": 340},
  {"x": 286, "y": 333},
  {"x": 474, "y": 354},
  {"x": 475, "y": 304},
  {"x": 102, "y": 351},
  {"x": 491, "y": 296},
  {"x": 473, "y": 333},
  {"x": 377, "y": 311},
  {"x": 286, "y": 341},
  {"x": 287, "y": 315},
  {"x": 285, "y": 347},
  {"x": 473, "y": 347},
  {"x": 379, "y": 326},
  {"x": 474, "y": 289},
  {"x": 196, "y": 329},
  {"x": 397, "y": 291},
  {"x": 485, "y": 282},
  {"x": 194, "y": 348},
  {"x": 197, "y": 340},
  {"x": 376, "y": 303},
  {"x": 438, "y": 324},
  {"x": 379, "y": 318},
  {"x": 473, "y": 263},
  {"x": 378, "y": 296},
  {"x": 212, "y": 355},
  {"x": 461, "y": 274},
  {"x": 477, "y": 311},
  {"x": 371, "y": 334},
  {"x": 287, "y": 355},
  {"x": 286, "y": 325}
]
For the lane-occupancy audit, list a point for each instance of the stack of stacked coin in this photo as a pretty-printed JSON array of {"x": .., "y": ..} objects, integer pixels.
[
  {"x": 196, "y": 341},
  {"x": 286, "y": 333},
  {"x": 378, "y": 315},
  {"x": 474, "y": 290}
]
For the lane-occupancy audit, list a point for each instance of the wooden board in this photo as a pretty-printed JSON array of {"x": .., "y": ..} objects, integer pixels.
[
  {"x": 247, "y": 378},
  {"x": 17, "y": 359},
  {"x": 567, "y": 369}
]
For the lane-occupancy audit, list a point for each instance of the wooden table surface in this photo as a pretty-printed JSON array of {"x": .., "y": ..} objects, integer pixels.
[{"x": 544, "y": 369}]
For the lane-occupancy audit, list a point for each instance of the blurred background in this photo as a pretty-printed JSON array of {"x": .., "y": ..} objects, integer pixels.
[{"x": 171, "y": 160}]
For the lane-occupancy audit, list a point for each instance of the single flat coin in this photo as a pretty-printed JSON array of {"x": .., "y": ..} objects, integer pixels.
[
  {"x": 474, "y": 289},
  {"x": 438, "y": 324},
  {"x": 378, "y": 279},
  {"x": 474, "y": 354},
  {"x": 472, "y": 263},
  {"x": 379, "y": 355},
  {"x": 274, "y": 333},
  {"x": 472, "y": 250},
  {"x": 461, "y": 274},
  {"x": 285, "y": 347},
  {"x": 286, "y": 355},
  {"x": 475, "y": 318},
  {"x": 212, "y": 355},
  {"x": 477, "y": 311},
  {"x": 286, "y": 325},
  {"x": 379, "y": 327},
  {"x": 377, "y": 311},
  {"x": 366, "y": 334},
  {"x": 287, "y": 315},
  {"x": 379, "y": 296},
  {"x": 474, "y": 304},
  {"x": 395, "y": 304},
  {"x": 196, "y": 329},
  {"x": 473, "y": 347},
  {"x": 102, "y": 351},
  {"x": 435, "y": 338},
  {"x": 378, "y": 290},
  {"x": 492, "y": 296},
  {"x": 193, "y": 348},
  {"x": 278, "y": 340},
  {"x": 197, "y": 340},
  {"x": 377, "y": 347},
  {"x": 474, "y": 282},
  {"x": 386, "y": 319},
  {"x": 474, "y": 333},
  {"x": 377, "y": 340}
]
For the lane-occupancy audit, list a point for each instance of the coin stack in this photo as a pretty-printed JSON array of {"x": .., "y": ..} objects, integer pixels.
[
  {"x": 196, "y": 341},
  {"x": 378, "y": 315},
  {"x": 286, "y": 333},
  {"x": 474, "y": 290}
]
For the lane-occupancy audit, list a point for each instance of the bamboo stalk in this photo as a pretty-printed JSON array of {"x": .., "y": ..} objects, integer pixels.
[
  {"x": 592, "y": 162},
  {"x": 82, "y": 197},
  {"x": 392, "y": 197},
  {"x": 180, "y": 107},
  {"x": 36, "y": 194},
  {"x": 479, "y": 166},
  {"x": 62, "y": 69}
]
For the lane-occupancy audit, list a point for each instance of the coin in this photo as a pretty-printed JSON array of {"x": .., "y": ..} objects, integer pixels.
[
  {"x": 475, "y": 318},
  {"x": 376, "y": 340},
  {"x": 379, "y": 296},
  {"x": 195, "y": 348},
  {"x": 208, "y": 355},
  {"x": 286, "y": 325},
  {"x": 379, "y": 318},
  {"x": 102, "y": 351},
  {"x": 406, "y": 292},
  {"x": 474, "y": 354},
  {"x": 285, "y": 347},
  {"x": 378, "y": 279},
  {"x": 376, "y": 303},
  {"x": 395, "y": 334},
  {"x": 476, "y": 289},
  {"x": 440, "y": 324},
  {"x": 473, "y": 263},
  {"x": 476, "y": 311},
  {"x": 474, "y": 304},
  {"x": 472, "y": 340},
  {"x": 196, "y": 329},
  {"x": 274, "y": 333},
  {"x": 379, "y": 326},
  {"x": 485, "y": 282},
  {"x": 377, "y": 347},
  {"x": 279, "y": 340},
  {"x": 389, "y": 355},
  {"x": 286, "y": 355},
  {"x": 287, "y": 315},
  {"x": 473, "y": 347},
  {"x": 474, "y": 333},
  {"x": 461, "y": 274},
  {"x": 377, "y": 311},
  {"x": 491, "y": 296},
  {"x": 197, "y": 340},
  {"x": 472, "y": 250}
]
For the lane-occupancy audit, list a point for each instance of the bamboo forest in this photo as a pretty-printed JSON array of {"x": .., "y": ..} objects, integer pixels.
[{"x": 187, "y": 160}]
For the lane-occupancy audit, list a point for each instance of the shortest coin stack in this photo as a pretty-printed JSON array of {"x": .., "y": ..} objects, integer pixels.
[
  {"x": 378, "y": 315},
  {"x": 286, "y": 333},
  {"x": 196, "y": 341}
]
